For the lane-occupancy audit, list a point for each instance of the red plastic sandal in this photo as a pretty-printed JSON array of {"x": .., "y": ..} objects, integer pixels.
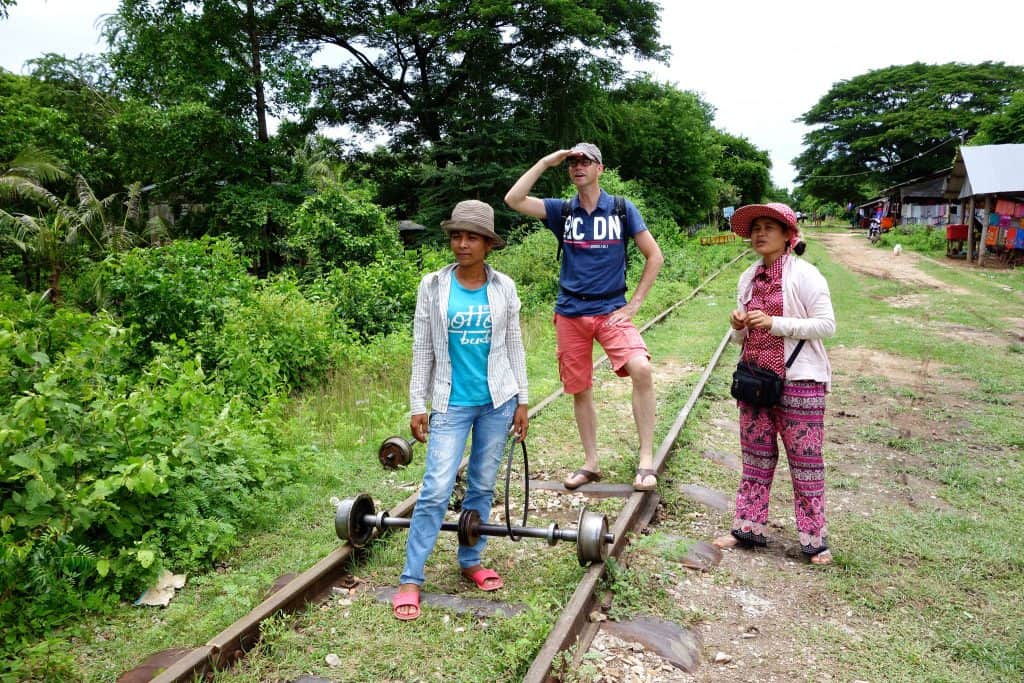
[
  {"x": 406, "y": 599},
  {"x": 481, "y": 576}
]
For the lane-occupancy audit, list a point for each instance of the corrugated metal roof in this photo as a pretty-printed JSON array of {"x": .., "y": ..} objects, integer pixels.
[
  {"x": 939, "y": 175},
  {"x": 987, "y": 169},
  {"x": 928, "y": 189}
]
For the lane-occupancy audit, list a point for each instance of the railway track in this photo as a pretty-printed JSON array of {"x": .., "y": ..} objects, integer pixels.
[{"x": 571, "y": 628}]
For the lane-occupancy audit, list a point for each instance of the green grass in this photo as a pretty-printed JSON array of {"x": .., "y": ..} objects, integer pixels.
[
  {"x": 940, "y": 588},
  {"x": 940, "y": 583}
]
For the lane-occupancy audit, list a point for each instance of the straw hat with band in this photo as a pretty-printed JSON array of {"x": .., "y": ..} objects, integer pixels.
[{"x": 474, "y": 216}]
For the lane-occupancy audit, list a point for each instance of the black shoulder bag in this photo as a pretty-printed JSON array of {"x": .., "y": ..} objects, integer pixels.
[{"x": 759, "y": 386}]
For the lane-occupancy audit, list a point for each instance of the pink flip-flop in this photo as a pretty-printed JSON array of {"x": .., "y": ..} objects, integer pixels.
[
  {"x": 406, "y": 599},
  {"x": 481, "y": 576}
]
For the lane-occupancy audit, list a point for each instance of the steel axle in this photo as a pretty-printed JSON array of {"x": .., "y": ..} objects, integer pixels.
[{"x": 355, "y": 521}]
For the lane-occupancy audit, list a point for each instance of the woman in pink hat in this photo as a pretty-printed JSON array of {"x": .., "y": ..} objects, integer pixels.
[{"x": 782, "y": 299}]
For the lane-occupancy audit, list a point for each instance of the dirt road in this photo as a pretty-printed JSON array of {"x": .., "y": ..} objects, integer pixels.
[
  {"x": 854, "y": 252},
  {"x": 759, "y": 611}
]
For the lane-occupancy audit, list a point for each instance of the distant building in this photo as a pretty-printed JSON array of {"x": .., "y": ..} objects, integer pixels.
[
  {"x": 410, "y": 233},
  {"x": 988, "y": 183}
]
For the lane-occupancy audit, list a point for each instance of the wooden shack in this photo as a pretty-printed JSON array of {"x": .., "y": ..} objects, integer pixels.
[
  {"x": 922, "y": 201},
  {"x": 988, "y": 183}
]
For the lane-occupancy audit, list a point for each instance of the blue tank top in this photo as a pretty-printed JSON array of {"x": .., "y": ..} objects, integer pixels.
[{"x": 469, "y": 344}]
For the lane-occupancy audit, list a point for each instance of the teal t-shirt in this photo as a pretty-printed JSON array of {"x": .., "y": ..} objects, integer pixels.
[{"x": 469, "y": 343}]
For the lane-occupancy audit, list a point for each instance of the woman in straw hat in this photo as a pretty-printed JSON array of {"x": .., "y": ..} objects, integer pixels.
[
  {"x": 469, "y": 362},
  {"x": 782, "y": 300}
]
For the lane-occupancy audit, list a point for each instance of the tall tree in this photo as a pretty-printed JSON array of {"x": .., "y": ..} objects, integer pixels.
[
  {"x": 224, "y": 53},
  {"x": 30, "y": 119},
  {"x": 1004, "y": 127},
  {"x": 209, "y": 59},
  {"x": 744, "y": 167},
  {"x": 662, "y": 136},
  {"x": 897, "y": 123},
  {"x": 85, "y": 91},
  {"x": 186, "y": 152},
  {"x": 413, "y": 69}
]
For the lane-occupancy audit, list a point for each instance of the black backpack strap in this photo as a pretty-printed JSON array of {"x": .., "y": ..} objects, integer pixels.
[
  {"x": 620, "y": 211},
  {"x": 560, "y": 233}
]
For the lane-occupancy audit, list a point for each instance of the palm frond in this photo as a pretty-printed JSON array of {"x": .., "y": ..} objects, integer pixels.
[
  {"x": 118, "y": 238},
  {"x": 133, "y": 205},
  {"x": 157, "y": 230},
  {"x": 20, "y": 187},
  {"x": 37, "y": 164},
  {"x": 86, "y": 197}
]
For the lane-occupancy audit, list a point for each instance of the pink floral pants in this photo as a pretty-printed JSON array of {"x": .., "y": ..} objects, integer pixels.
[{"x": 799, "y": 420}]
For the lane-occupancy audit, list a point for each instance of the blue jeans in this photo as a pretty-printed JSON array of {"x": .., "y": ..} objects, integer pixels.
[{"x": 448, "y": 434}]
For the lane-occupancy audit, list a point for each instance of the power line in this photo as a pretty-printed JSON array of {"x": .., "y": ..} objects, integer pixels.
[{"x": 889, "y": 168}]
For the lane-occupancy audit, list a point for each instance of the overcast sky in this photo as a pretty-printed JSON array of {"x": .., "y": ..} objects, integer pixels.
[{"x": 760, "y": 65}]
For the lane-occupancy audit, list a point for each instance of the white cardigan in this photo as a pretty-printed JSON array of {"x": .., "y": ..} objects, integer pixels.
[{"x": 806, "y": 314}]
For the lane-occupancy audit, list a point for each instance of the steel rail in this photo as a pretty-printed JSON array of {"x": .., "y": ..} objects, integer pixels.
[
  {"x": 569, "y": 628},
  {"x": 230, "y": 645}
]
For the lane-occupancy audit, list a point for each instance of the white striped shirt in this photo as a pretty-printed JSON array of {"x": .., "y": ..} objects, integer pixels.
[{"x": 431, "y": 365}]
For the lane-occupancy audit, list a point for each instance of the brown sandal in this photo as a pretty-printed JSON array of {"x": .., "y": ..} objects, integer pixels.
[
  {"x": 643, "y": 473},
  {"x": 588, "y": 477}
]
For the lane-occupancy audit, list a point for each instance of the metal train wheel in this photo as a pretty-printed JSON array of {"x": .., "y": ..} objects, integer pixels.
[
  {"x": 349, "y": 521},
  {"x": 590, "y": 544},
  {"x": 395, "y": 452}
]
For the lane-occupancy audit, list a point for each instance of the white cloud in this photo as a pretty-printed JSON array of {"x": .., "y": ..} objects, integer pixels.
[
  {"x": 762, "y": 65},
  {"x": 68, "y": 27}
]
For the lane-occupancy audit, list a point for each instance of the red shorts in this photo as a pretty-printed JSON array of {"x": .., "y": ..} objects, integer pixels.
[{"x": 575, "y": 348}]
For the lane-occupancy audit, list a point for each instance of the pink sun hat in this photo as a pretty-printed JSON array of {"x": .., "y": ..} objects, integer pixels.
[{"x": 745, "y": 216}]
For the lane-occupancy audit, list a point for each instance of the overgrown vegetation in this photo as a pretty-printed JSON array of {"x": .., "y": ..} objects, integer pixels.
[{"x": 922, "y": 238}]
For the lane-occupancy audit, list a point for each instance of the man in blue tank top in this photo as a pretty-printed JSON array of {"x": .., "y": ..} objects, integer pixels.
[{"x": 591, "y": 302}]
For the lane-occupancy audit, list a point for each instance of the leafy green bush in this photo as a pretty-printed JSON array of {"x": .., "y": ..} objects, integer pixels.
[
  {"x": 683, "y": 263},
  {"x": 171, "y": 291},
  {"x": 277, "y": 341},
  {"x": 376, "y": 298},
  {"x": 32, "y": 332},
  {"x": 252, "y": 212},
  {"x": 339, "y": 227},
  {"x": 105, "y": 477},
  {"x": 923, "y": 238},
  {"x": 531, "y": 262}
]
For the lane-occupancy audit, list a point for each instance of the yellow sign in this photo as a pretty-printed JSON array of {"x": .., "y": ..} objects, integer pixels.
[{"x": 718, "y": 239}]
